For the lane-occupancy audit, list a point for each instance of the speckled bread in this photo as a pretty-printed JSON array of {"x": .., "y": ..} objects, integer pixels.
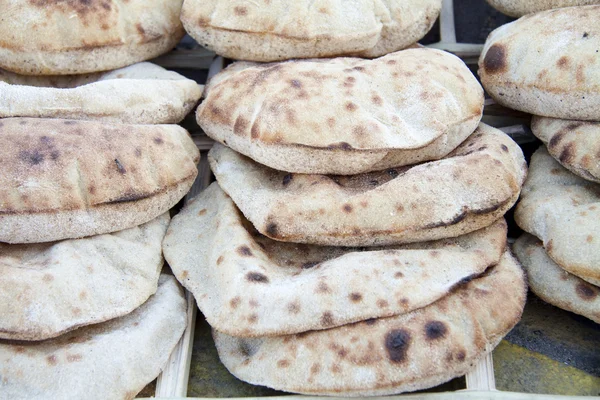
[
  {"x": 49, "y": 289},
  {"x": 468, "y": 190},
  {"x": 413, "y": 351},
  {"x": 518, "y": 8},
  {"x": 546, "y": 64},
  {"x": 51, "y": 37},
  {"x": 143, "y": 93},
  {"x": 555, "y": 285},
  {"x": 575, "y": 144},
  {"x": 563, "y": 210},
  {"x": 248, "y": 285},
  {"x": 112, "y": 360},
  {"x": 280, "y": 30},
  {"x": 68, "y": 179},
  {"x": 344, "y": 116}
]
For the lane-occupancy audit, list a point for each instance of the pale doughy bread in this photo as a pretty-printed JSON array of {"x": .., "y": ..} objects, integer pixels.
[
  {"x": 553, "y": 284},
  {"x": 281, "y": 30},
  {"x": 546, "y": 64},
  {"x": 344, "y": 116},
  {"x": 563, "y": 210},
  {"x": 249, "y": 285},
  {"x": 574, "y": 144},
  {"x": 53, "y": 37},
  {"x": 143, "y": 93},
  {"x": 112, "y": 360},
  {"x": 49, "y": 289},
  {"x": 468, "y": 190},
  {"x": 420, "y": 349},
  {"x": 518, "y": 8},
  {"x": 68, "y": 179}
]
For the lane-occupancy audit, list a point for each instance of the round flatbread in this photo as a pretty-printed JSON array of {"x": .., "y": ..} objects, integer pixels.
[
  {"x": 280, "y": 30},
  {"x": 413, "y": 351},
  {"x": 41, "y": 37},
  {"x": 563, "y": 210},
  {"x": 518, "y": 8},
  {"x": 546, "y": 64},
  {"x": 249, "y": 285},
  {"x": 553, "y": 284},
  {"x": 574, "y": 144},
  {"x": 143, "y": 93},
  {"x": 470, "y": 189},
  {"x": 344, "y": 116},
  {"x": 112, "y": 360},
  {"x": 49, "y": 289},
  {"x": 68, "y": 179}
]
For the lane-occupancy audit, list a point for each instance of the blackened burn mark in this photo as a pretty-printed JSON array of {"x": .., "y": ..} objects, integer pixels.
[
  {"x": 309, "y": 265},
  {"x": 120, "y": 167},
  {"x": 287, "y": 179},
  {"x": 257, "y": 277},
  {"x": 495, "y": 59},
  {"x": 272, "y": 229},
  {"x": 31, "y": 157},
  {"x": 397, "y": 343},
  {"x": 435, "y": 330}
]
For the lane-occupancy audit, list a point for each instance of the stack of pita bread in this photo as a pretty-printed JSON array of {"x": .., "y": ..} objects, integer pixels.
[
  {"x": 354, "y": 243},
  {"x": 90, "y": 168},
  {"x": 518, "y": 8},
  {"x": 277, "y": 30},
  {"x": 547, "y": 64}
]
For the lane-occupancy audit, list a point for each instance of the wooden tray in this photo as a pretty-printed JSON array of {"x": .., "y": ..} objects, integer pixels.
[{"x": 480, "y": 382}]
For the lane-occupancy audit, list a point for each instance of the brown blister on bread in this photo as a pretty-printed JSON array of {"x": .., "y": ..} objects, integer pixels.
[
  {"x": 228, "y": 282},
  {"x": 469, "y": 189},
  {"x": 324, "y": 116},
  {"x": 137, "y": 345},
  {"x": 555, "y": 285},
  {"x": 556, "y": 76},
  {"x": 412, "y": 351},
  {"x": 575, "y": 144},
  {"x": 519, "y": 8},
  {"x": 108, "y": 33},
  {"x": 87, "y": 178},
  {"x": 279, "y": 30},
  {"x": 562, "y": 210},
  {"x": 495, "y": 59},
  {"x": 142, "y": 93},
  {"x": 103, "y": 280}
]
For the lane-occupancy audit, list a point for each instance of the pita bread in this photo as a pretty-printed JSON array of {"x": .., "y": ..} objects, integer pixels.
[
  {"x": 143, "y": 93},
  {"x": 68, "y": 179},
  {"x": 563, "y": 210},
  {"x": 49, "y": 37},
  {"x": 281, "y": 30},
  {"x": 413, "y": 351},
  {"x": 49, "y": 289},
  {"x": 546, "y": 64},
  {"x": 113, "y": 360},
  {"x": 470, "y": 189},
  {"x": 344, "y": 116},
  {"x": 274, "y": 288},
  {"x": 555, "y": 285},
  {"x": 518, "y": 8},
  {"x": 575, "y": 144}
]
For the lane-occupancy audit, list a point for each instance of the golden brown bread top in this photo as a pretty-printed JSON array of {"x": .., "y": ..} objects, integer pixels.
[{"x": 55, "y": 165}]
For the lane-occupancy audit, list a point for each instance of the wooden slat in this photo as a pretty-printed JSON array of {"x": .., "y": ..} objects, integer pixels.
[
  {"x": 482, "y": 377},
  {"x": 447, "y": 26},
  {"x": 198, "y": 58},
  {"x": 461, "y": 394},
  {"x": 203, "y": 142}
]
